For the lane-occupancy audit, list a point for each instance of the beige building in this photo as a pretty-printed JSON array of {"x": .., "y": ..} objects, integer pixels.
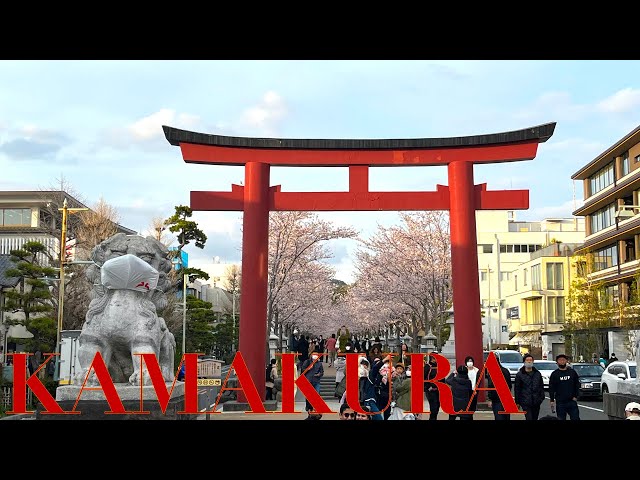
[
  {"x": 504, "y": 243},
  {"x": 539, "y": 300}
]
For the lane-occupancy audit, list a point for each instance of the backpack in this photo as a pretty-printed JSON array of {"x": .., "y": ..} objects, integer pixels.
[{"x": 341, "y": 388}]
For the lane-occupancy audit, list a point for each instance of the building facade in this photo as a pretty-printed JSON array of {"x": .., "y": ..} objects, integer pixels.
[
  {"x": 504, "y": 243},
  {"x": 538, "y": 304},
  {"x": 611, "y": 208}
]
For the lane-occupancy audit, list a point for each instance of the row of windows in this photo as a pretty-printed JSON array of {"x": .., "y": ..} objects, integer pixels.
[
  {"x": 503, "y": 276},
  {"x": 605, "y": 257},
  {"x": 15, "y": 217},
  {"x": 606, "y": 175},
  {"x": 603, "y": 218},
  {"x": 509, "y": 248},
  {"x": 555, "y": 277},
  {"x": 602, "y": 178},
  {"x": 555, "y": 311}
]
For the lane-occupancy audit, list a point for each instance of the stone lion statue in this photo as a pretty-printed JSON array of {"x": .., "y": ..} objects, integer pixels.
[{"x": 123, "y": 322}]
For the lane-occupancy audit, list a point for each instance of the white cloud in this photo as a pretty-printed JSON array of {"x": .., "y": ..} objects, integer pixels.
[
  {"x": 147, "y": 132},
  {"x": 266, "y": 115},
  {"x": 622, "y": 101}
]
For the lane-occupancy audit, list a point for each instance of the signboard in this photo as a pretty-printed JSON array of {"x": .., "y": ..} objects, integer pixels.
[
  {"x": 209, "y": 382},
  {"x": 513, "y": 312}
]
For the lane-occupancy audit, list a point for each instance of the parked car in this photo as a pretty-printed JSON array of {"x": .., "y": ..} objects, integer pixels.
[
  {"x": 510, "y": 359},
  {"x": 545, "y": 367},
  {"x": 590, "y": 375},
  {"x": 618, "y": 372}
]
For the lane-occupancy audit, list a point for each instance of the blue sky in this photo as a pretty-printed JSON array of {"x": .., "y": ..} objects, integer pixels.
[{"x": 98, "y": 123}]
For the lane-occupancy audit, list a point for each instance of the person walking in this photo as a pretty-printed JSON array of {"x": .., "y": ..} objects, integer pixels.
[
  {"x": 612, "y": 358},
  {"x": 303, "y": 351},
  {"x": 529, "y": 389},
  {"x": 564, "y": 388},
  {"x": 473, "y": 372},
  {"x": 314, "y": 375},
  {"x": 331, "y": 349},
  {"x": 461, "y": 390},
  {"x": 271, "y": 375},
  {"x": 494, "y": 398},
  {"x": 430, "y": 389}
]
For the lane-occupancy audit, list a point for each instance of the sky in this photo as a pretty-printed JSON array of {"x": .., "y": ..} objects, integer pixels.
[{"x": 98, "y": 125}]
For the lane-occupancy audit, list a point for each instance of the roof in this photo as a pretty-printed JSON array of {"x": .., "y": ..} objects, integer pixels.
[
  {"x": 541, "y": 133},
  {"x": 6, "y": 264},
  {"x": 615, "y": 150}
]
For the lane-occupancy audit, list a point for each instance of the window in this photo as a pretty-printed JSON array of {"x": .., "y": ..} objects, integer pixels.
[
  {"x": 601, "y": 179},
  {"x": 483, "y": 276},
  {"x": 609, "y": 296},
  {"x": 625, "y": 163},
  {"x": 555, "y": 309},
  {"x": 555, "y": 277},
  {"x": 524, "y": 282},
  {"x": 504, "y": 276},
  {"x": 536, "y": 311},
  {"x": 515, "y": 282},
  {"x": 637, "y": 159},
  {"x": 486, "y": 248},
  {"x": 12, "y": 217},
  {"x": 605, "y": 257},
  {"x": 603, "y": 218},
  {"x": 503, "y": 249},
  {"x": 536, "y": 284},
  {"x": 509, "y": 248}
]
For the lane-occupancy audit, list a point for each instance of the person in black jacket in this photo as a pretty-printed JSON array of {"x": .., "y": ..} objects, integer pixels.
[
  {"x": 430, "y": 389},
  {"x": 564, "y": 387},
  {"x": 461, "y": 390},
  {"x": 494, "y": 398},
  {"x": 529, "y": 389}
]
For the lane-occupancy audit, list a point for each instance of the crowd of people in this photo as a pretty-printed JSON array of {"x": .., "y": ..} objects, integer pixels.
[{"x": 376, "y": 371}]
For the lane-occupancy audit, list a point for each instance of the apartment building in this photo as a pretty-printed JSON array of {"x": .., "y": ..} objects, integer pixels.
[
  {"x": 504, "y": 244},
  {"x": 611, "y": 208},
  {"x": 539, "y": 300}
]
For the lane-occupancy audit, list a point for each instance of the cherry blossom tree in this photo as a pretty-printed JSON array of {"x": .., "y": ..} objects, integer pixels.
[
  {"x": 403, "y": 275},
  {"x": 299, "y": 279}
]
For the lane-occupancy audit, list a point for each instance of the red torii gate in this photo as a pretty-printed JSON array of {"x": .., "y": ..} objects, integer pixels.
[{"x": 256, "y": 198}]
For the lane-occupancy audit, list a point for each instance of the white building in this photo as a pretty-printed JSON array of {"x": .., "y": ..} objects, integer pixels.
[{"x": 503, "y": 244}]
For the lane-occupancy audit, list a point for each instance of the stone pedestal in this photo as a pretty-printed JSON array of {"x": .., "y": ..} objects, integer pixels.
[
  {"x": 93, "y": 404},
  {"x": 235, "y": 406}
]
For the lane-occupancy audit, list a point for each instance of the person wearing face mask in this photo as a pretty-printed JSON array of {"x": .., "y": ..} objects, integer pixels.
[
  {"x": 529, "y": 389},
  {"x": 314, "y": 374},
  {"x": 366, "y": 386},
  {"x": 461, "y": 391},
  {"x": 564, "y": 387},
  {"x": 472, "y": 372},
  {"x": 402, "y": 396}
]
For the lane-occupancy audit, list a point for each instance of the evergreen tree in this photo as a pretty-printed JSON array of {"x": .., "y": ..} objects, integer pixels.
[{"x": 32, "y": 297}]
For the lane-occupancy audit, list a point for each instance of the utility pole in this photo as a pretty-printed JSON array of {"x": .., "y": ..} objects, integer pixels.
[
  {"x": 489, "y": 306},
  {"x": 499, "y": 291},
  {"x": 63, "y": 243}
]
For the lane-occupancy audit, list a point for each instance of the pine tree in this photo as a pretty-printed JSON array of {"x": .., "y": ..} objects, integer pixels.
[{"x": 32, "y": 297}]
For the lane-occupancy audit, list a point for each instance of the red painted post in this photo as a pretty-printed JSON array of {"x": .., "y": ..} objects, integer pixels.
[
  {"x": 464, "y": 264},
  {"x": 255, "y": 256}
]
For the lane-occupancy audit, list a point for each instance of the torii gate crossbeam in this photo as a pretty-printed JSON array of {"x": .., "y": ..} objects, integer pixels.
[{"x": 461, "y": 197}]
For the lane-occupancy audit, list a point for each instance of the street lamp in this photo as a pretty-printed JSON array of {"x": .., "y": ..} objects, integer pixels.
[{"x": 63, "y": 243}]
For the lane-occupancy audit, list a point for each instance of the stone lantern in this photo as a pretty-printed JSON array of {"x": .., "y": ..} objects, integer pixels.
[
  {"x": 273, "y": 345},
  {"x": 428, "y": 343}
]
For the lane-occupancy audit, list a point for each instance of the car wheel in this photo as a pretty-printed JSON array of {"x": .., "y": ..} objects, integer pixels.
[{"x": 605, "y": 389}]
